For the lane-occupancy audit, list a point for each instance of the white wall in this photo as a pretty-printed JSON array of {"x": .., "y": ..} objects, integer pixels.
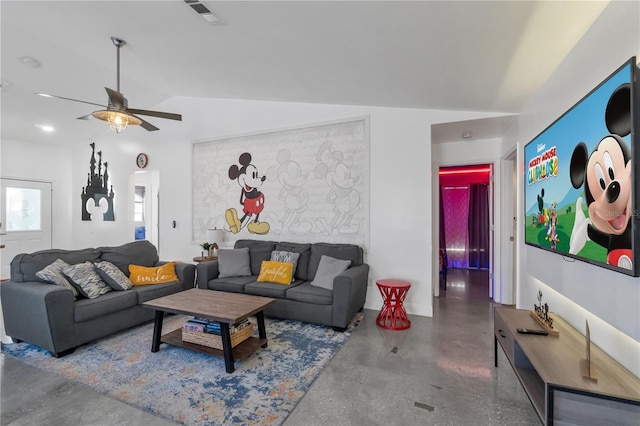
[{"x": 577, "y": 290}]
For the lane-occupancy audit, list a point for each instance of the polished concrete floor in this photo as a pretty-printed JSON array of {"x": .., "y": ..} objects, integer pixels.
[{"x": 438, "y": 372}]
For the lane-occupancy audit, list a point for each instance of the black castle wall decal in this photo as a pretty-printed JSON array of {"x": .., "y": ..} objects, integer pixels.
[{"x": 97, "y": 187}]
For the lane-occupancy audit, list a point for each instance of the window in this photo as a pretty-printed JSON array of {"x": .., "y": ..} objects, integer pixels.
[{"x": 23, "y": 209}]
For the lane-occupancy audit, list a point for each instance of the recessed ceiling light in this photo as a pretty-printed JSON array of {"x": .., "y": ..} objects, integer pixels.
[
  {"x": 30, "y": 62},
  {"x": 45, "y": 128},
  {"x": 4, "y": 86}
]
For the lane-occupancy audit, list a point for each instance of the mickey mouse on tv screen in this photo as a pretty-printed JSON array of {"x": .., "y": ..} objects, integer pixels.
[{"x": 579, "y": 179}]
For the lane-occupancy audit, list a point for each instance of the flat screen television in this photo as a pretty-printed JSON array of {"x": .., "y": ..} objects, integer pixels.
[{"x": 581, "y": 191}]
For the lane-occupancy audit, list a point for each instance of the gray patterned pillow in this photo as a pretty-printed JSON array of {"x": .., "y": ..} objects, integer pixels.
[
  {"x": 113, "y": 276},
  {"x": 53, "y": 274},
  {"x": 86, "y": 279},
  {"x": 287, "y": 257}
]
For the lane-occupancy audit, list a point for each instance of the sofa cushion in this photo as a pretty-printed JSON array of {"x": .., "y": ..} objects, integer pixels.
[
  {"x": 141, "y": 253},
  {"x": 275, "y": 290},
  {"x": 339, "y": 251},
  {"x": 148, "y": 292},
  {"x": 308, "y": 293},
  {"x": 258, "y": 251},
  {"x": 115, "y": 301},
  {"x": 53, "y": 274},
  {"x": 25, "y": 266},
  {"x": 275, "y": 272},
  {"x": 232, "y": 284},
  {"x": 113, "y": 276},
  {"x": 85, "y": 278},
  {"x": 302, "y": 270},
  {"x": 234, "y": 263},
  {"x": 142, "y": 275},
  {"x": 328, "y": 269}
]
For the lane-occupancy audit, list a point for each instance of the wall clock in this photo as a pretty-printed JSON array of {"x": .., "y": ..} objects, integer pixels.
[{"x": 142, "y": 160}]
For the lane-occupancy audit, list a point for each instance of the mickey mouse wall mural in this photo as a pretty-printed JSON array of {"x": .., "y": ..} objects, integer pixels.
[
  {"x": 251, "y": 198},
  {"x": 98, "y": 189}
]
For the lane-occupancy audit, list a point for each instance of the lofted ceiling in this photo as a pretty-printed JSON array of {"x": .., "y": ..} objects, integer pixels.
[{"x": 479, "y": 56}]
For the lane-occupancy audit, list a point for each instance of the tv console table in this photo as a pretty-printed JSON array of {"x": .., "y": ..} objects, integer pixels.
[{"x": 548, "y": 368}]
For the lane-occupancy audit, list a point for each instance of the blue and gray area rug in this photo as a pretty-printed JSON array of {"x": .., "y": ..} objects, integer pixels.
[{"x": 193, "y": 388}]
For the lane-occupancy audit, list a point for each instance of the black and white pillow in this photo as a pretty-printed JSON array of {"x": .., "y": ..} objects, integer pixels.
[
  {"x": 86, "y": 279},
  {"x": 113, "y": 276},
  {"x": 286, "y": 257},
  {"x": 53, "y": 274}
]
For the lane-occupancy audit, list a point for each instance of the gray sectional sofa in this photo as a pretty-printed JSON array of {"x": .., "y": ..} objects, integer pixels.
[
  {"x": 299, "y": 300},
  {"x": 51, "y": 317}
]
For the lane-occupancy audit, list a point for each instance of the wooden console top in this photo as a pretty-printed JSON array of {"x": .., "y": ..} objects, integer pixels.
[{"x": 549, "y": 370}]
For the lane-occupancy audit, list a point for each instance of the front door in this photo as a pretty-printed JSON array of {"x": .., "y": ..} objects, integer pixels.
[{"x": 25, "y": 219}]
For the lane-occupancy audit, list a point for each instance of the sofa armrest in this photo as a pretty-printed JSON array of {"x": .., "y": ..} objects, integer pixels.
[
  {"x": 205, "y": 272},
  {"x": 349, "y": 294},
  {"x": 39, "y": 313},
  {"x": 186, "y": 273}
]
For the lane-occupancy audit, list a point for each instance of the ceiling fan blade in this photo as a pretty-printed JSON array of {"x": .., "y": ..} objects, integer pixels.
[
  {"x": 167, "y": 115},
  {"x": 86, "y": 117},
  {"x": 69, "y": 99},
  {"x": 145, "y": 124},
  {"x": 116, "y": 98}
]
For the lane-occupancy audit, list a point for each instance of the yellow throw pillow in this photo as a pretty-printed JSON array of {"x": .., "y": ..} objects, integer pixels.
[
  {"x": 275, "y": 272},
  {"x": 142, "y": 275}
]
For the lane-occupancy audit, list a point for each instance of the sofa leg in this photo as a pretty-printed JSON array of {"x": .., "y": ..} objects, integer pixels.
[
  {"x": 340, "y": 329},
  {"x": 61, "y": 354}
]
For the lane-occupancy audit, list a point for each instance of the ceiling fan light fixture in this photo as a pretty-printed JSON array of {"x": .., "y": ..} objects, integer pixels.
[{"x": 118, "y": 121}]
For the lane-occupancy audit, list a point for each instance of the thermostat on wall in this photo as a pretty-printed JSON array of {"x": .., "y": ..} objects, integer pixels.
[{"x": 142, "y": 160}]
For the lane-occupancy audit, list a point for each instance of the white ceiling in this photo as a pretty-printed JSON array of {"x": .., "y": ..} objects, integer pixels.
[{"x": 473, "y": 55}]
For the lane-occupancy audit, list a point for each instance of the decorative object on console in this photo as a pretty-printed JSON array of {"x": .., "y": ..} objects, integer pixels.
[
  {"x": 97, "y": 188},
  {"x": 586, "y": 367},
  {"x": 541, "y": 314}
]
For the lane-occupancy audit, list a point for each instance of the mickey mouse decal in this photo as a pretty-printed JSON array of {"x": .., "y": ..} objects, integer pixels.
[
  {"x": 607, "y": 178},
  {"x": 251, "y": 198}
]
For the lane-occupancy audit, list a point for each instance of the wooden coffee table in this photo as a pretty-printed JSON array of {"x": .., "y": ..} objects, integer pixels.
[{"x": 222, "y": 307}]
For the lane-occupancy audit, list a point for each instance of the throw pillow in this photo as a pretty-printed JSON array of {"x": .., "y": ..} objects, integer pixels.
[
  {"x": 53, "y": 274},
  {"x": 234, "y": 262},
  {"x": 86, "y": 279},
  {"x": 328, "y": 269},
  {"x": 286, "y": 256},
  {"x": 143, "y": 275},
  {"x": 113, "y": 276},
  {"x": 275, "y": 272}
]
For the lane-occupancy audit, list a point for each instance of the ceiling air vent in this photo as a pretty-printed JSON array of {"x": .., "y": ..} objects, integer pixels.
[{"x": 205, "y": 12}]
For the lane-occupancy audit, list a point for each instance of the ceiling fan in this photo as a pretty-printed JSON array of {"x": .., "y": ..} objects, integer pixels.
[{"x": 117, "y": 112}]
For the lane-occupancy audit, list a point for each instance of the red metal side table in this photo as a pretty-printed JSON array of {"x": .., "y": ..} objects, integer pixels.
[{"x": 392, "y": 316}]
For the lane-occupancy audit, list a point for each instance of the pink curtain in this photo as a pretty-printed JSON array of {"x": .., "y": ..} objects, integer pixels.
[{"x": 455, "y": 200}]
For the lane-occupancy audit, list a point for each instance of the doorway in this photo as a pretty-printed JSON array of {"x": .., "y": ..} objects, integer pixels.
[
  {"x": 144, "y": 206},
  {"x": 466, "y": 244}
]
